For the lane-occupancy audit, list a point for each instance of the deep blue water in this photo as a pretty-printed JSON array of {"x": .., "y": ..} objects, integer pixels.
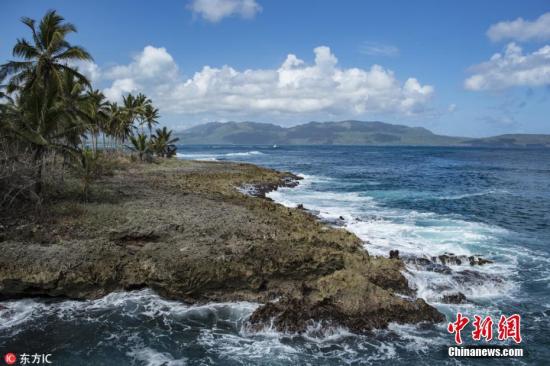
[{"x": 422, "y": 201}]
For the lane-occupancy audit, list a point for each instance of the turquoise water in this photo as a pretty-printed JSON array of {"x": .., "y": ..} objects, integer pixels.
[{"x": 422, "y": 201}]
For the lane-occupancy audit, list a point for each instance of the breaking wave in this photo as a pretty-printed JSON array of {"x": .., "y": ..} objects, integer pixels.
[{"x": 221, "y": 156}]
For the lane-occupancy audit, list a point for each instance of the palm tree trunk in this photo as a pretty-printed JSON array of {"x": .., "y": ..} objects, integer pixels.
[
  {"x": 94, "y": 143},
  {"x": 38, "y": 172},
  {"x": 63, "y": 168}
]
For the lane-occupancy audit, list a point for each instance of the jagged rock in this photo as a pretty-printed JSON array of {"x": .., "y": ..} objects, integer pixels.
[
  {"x": 455, "y": 298},
  {"x": 477, "y": 260},
  {"x": 419, "y": 261},
  {"x": 452, "y": 259},
  {"x": 428, "y": 265},
  {"x": 394, "y": 254}
]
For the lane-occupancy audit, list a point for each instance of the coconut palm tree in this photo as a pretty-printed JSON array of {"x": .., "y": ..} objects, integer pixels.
[
  {"x": 44, "y": 59},
  {"x": 132, "y": 108},
  {"x": 75, "y": 101},
  {"x": 39, "y": 116},
  {"x": 97, "y": 108},
  {"x": 86, "y": 167},
  {"x": 151, "y": 116},
  {"x": 114, "y": 122},
  {"x": 143, "y": 103},
  {"x": 163, "y": 144},
  {"x": 42, "y": 122},
  {"x": 140, "y": 144}
]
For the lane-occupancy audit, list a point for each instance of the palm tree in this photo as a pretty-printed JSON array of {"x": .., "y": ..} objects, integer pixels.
[
  {"x": 127, "y": 116},
  {"x": 86, "y": 167},
  {"x": 5, "y": 101},
  {"x": 39, "y": 116},
  {"x": 114, "y": 122},
  {"x": 46, "y": 58},
  {"x": 163, "y": 144},
  {"x": 143, "y": 103},
  {"x": 75, "y": 101},
  {"x": 132, "y": 108},
  {"x": 151, "y": 115},
  {"x": 140, "y": 144},
  {"x": 43, "y": 122},
  {"x": 98, "y": 115}
]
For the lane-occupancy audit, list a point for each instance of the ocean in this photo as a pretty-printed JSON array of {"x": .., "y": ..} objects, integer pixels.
[{"x": 423, "y": 201}]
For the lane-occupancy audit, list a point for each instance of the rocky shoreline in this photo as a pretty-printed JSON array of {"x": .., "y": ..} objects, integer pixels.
[{"x": 201, "y": 232}]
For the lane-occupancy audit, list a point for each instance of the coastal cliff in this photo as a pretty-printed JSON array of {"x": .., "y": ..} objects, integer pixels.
[{"x": 186, "y": 230}]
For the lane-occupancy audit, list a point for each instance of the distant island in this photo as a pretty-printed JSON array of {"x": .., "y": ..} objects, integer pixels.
[{"x": 344, "y": 133}]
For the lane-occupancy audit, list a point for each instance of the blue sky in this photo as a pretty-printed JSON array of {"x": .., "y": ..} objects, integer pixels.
[{"x": 206, "y": 60}]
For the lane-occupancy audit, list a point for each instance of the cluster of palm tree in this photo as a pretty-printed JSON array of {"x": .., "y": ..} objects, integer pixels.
[
  {"x": 49, "y": 109},
  {"x": 139, "y": 111}
]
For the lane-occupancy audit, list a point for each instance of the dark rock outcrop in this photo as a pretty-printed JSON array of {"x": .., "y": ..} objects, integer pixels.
[
  {"x": 454, "y": 298},
  {"x": 394, "y": 254}
]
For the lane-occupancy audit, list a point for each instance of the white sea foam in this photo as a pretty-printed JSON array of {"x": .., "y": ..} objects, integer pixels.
[
  {"x": 474, "y": 194},
  {"x": 15, "y": 313},
  {"x": 215, "y": 157},
  {"x": 143, "y": 303},
  {"x": 150, "y": 357},
  {"x": 248, "y": 153},
  {"x": 200, "y": 157},
  {"x": 416, "y": 234},
  {"x": 418, "y": 339}
]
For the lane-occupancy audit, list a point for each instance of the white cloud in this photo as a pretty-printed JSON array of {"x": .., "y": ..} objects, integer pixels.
[
  {"x": 521, "y": 30},
  {"x": 119, "y": 88},
  {"x": 294, "y": 88},
  {"x": 151, "y": 63},
  {"x": 151, "y": 69},
  {"x": 378, "y": 49},
  {"x": 513, "y": 68},
  {"x": 216, "y": 10},
  {"x": 88, "y": 69},
  {"x": 452, "y": 107}
]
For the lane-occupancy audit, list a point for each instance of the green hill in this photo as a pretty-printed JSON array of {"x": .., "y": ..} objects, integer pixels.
[{"x": 343, "y": 133}]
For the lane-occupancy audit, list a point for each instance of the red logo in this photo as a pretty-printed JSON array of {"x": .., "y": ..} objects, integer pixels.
[
  {"x": 483, "y": 329},
  {"x": 508, "y": 327},
  {"x": 10, "y": 358},
  {"x": 457, "y": 326}
]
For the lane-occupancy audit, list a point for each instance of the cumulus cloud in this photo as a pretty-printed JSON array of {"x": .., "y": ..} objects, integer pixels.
[
  {"x": 150, "y": 64},
  {"x": 216, "y": 10},
  {"x": 512, "y": 68},
  {"x": 151, "y": 70},
  {"x": 119, "y": 88},
  {"x": 378, "y": 49},
  {"x": 88, "y": 69},
  {"x": 295, "y": 87},
  {"x": 521, "y": 30}
]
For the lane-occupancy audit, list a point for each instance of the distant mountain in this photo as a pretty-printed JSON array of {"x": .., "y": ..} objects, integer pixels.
[{"x": 342, "y": 133}]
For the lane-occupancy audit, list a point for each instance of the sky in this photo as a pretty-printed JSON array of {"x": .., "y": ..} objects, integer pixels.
[{"x": 465, "y": 68}]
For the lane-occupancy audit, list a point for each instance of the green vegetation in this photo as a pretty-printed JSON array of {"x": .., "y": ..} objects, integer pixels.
[
  {"x": 345, "y": 133},
  {"x": 52, "y": 120}
]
